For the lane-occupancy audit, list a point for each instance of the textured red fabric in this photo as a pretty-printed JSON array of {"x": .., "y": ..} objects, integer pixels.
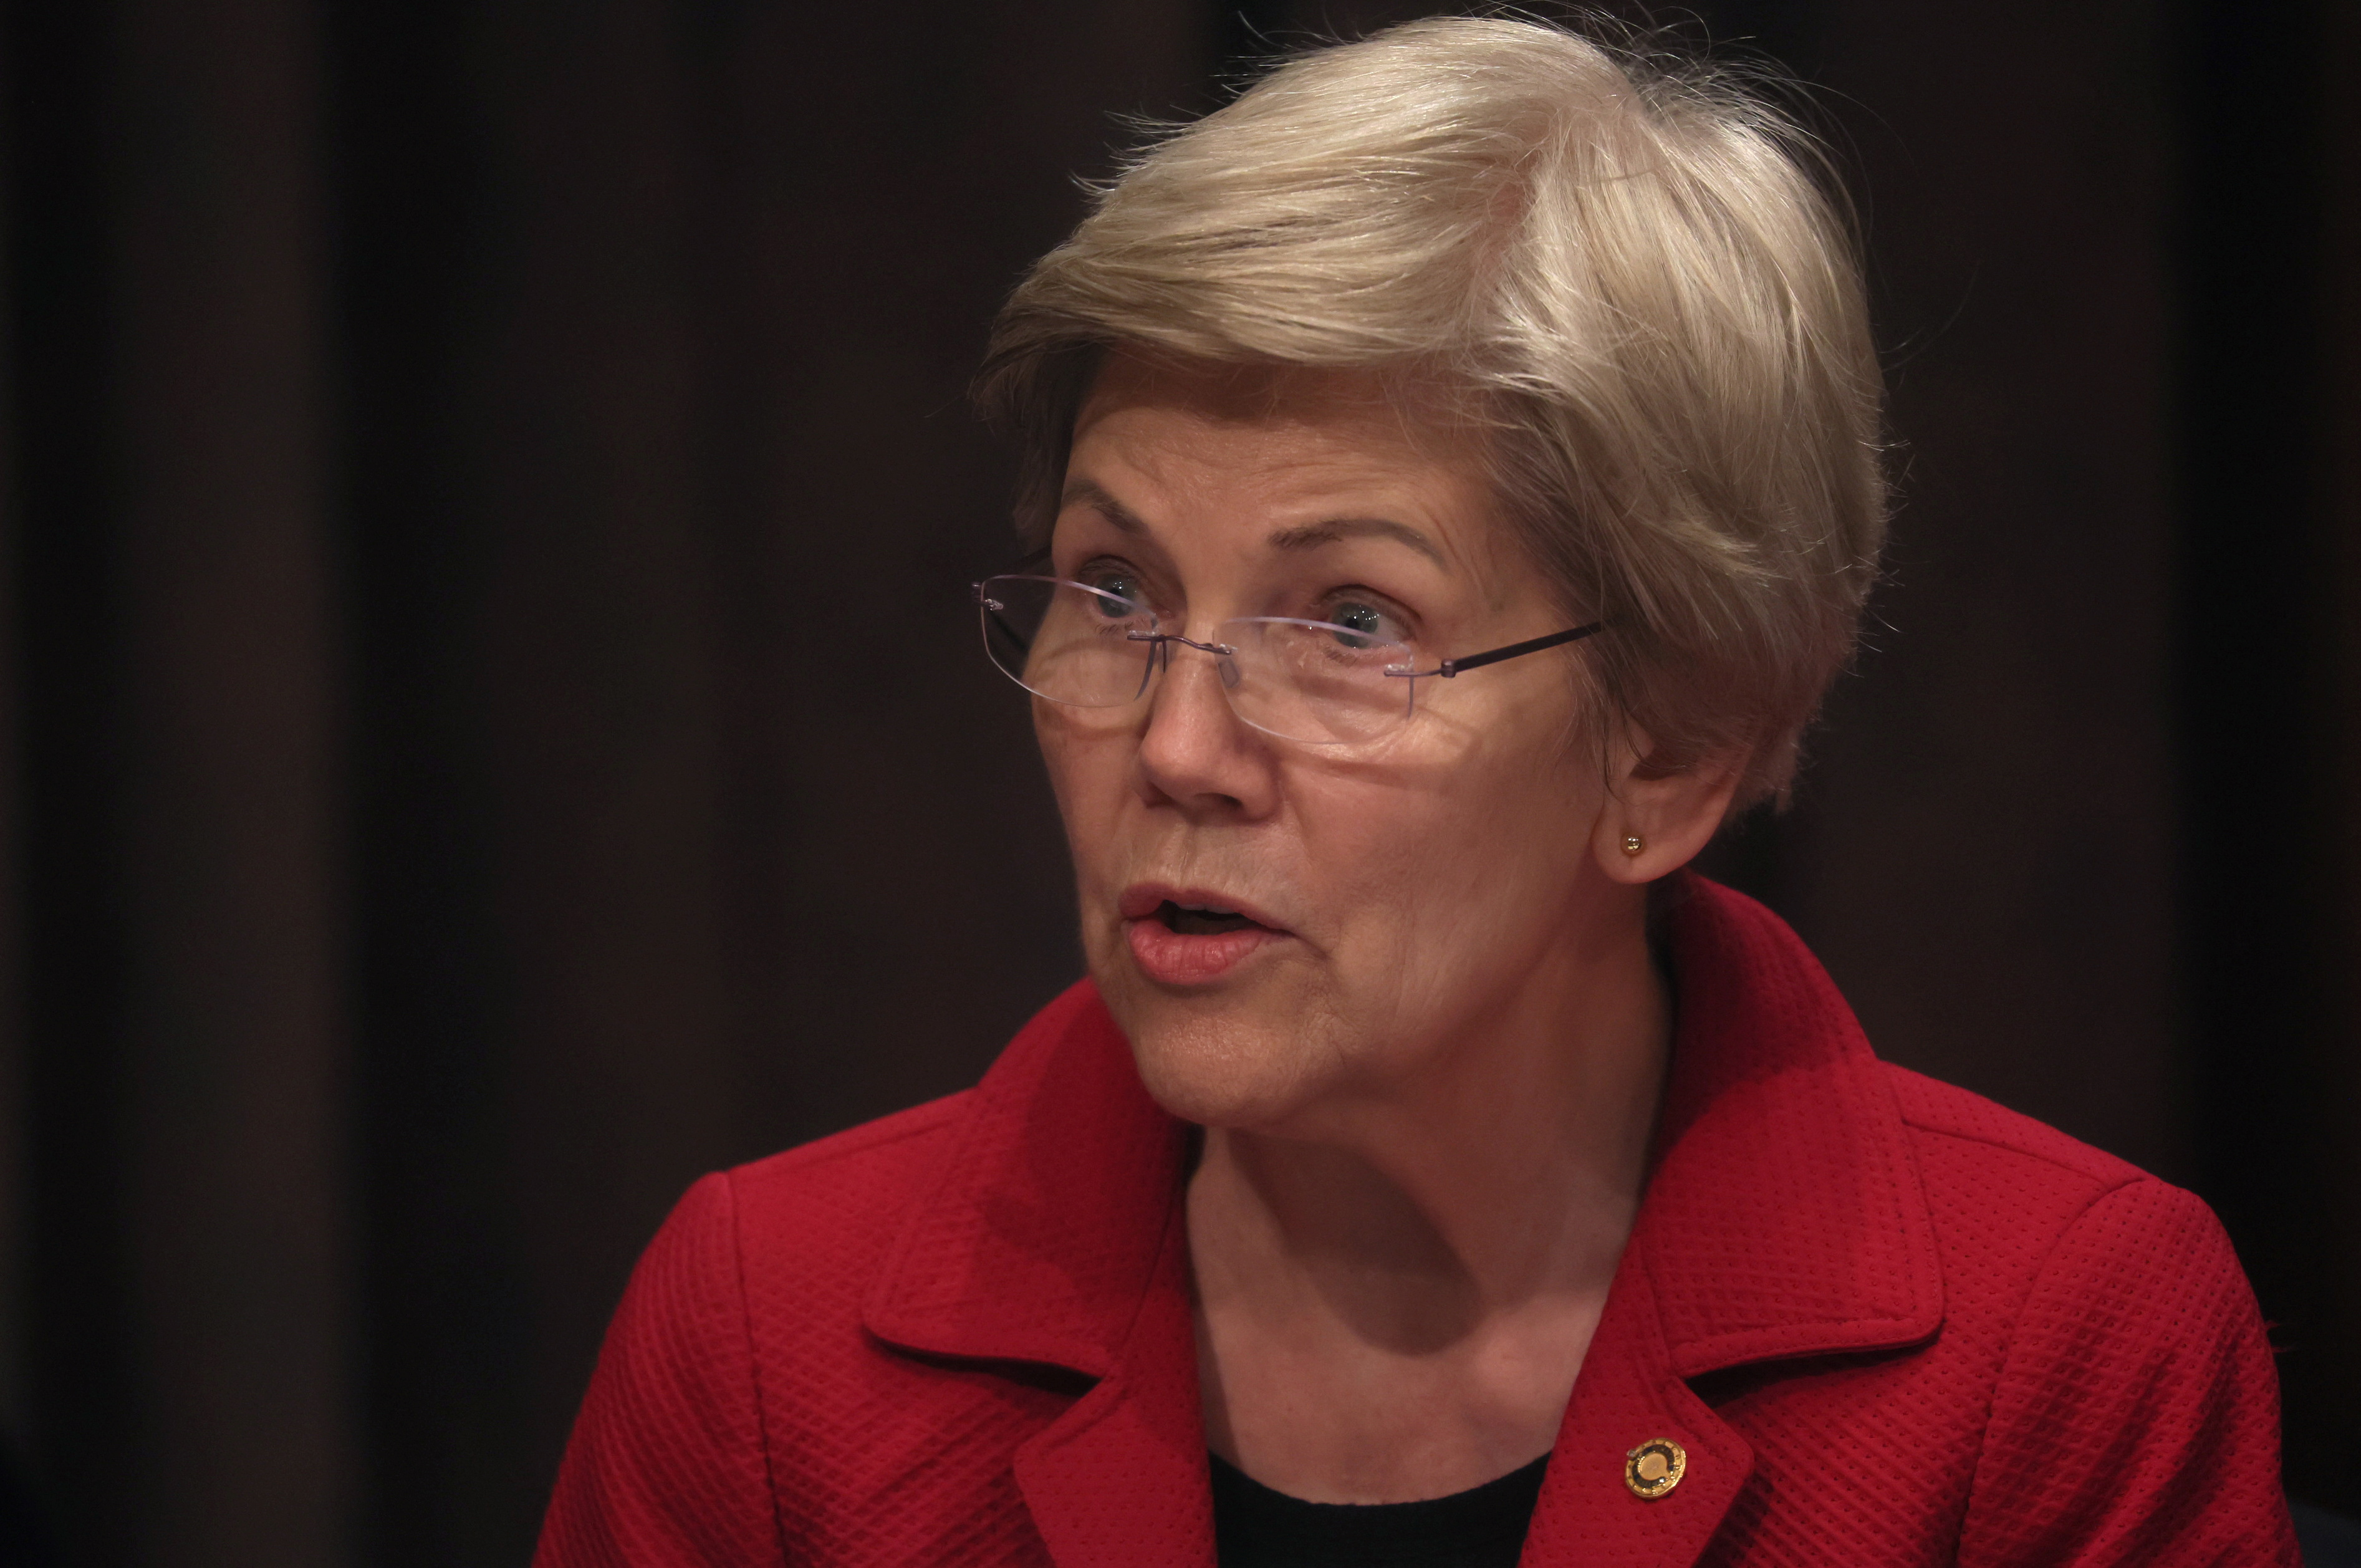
[{"x": 1890, "y": 1322}]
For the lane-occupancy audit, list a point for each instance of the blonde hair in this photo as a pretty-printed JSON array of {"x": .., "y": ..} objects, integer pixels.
[{"x": 1620, "y": 269}]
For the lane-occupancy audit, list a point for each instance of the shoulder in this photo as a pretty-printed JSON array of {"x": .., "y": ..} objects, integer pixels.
[
  {"x": 733, "y": 1223},
  {"x": 2076, "y": 1210},
  {"x": 2123, "y": 1339},
  {"x": 1975, "y": 1153},
  {"x": 667, "y": 1463},
  {"x": 817, "y": 1210},
  {"x": 851, "y": 1177},
  {"x": 805, "y": 1229},
  {"x": 2013, "y": 1198}
]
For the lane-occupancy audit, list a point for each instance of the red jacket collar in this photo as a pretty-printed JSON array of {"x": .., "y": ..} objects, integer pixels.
[
  {"x": 1053, "y": 1235},
  {"x": 1825, "y": 1244},
  {"x": 1047, "y": 1223}
]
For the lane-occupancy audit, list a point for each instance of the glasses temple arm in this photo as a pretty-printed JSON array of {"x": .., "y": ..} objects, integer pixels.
[
  {"x": 1450, "y": 668},
  {"x": 992, "y": 608},
  {"x": 1024, "y": 643}
]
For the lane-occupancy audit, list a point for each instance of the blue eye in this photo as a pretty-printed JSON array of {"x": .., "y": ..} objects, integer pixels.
[
  {"x": 1371, "y": 622},
  {"x": 1122, "y": 586}
]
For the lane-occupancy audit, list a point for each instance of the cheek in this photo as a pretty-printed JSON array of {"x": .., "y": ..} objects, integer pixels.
[
  {"x": 1088, "y": 768},
  {"x": 1455, "y": 886}
]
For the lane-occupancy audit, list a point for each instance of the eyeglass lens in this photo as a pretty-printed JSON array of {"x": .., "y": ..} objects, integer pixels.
[{"x": 1302, "y": 680}]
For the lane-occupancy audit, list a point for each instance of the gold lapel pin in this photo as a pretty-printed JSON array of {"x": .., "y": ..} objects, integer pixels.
[{"x": 1654, "y": 1467}]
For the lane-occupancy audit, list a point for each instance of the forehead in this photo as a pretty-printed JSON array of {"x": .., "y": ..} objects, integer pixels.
[
  {"x": 1287, "y": 457},
  {"x": 1276, "y": 429}
]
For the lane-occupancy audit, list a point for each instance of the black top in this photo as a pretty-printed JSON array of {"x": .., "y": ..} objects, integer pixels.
[{"x": 1483, "y": 1526}]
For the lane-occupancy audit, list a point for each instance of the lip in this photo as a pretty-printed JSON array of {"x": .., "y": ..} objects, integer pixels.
[
  {"x": 1170, "y": 957},
  {"x": 1142, "y": 899}
]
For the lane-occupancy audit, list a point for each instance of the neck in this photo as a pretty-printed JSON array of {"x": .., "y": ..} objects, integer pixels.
[{"x": 1472, "y": 1215}]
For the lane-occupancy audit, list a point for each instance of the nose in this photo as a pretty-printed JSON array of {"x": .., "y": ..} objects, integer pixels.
[{"x": 1194, "y": 752}]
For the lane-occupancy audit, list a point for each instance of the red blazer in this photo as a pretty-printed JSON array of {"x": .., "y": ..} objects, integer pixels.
[{"x": 1889, "y": 1322}]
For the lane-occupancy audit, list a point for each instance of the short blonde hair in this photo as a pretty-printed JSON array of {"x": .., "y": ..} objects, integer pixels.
[{"x": 1621, "y": 270}]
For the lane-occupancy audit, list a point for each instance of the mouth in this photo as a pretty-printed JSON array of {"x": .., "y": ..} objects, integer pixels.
[
  {"x": 1188, "y": 936},
  {"x": 1184, "y": 921}
]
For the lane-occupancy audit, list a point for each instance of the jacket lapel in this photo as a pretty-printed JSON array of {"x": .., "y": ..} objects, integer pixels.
[
  {"x": 1119, "y": 1480},
  {"x": 1054, "y": 1237},
  {"x": 1783, "y": 1217},
  {"x": 1627, "y": 1396}
]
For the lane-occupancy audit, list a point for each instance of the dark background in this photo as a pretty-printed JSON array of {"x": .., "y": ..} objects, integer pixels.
[{"x": 489, "y": 730}]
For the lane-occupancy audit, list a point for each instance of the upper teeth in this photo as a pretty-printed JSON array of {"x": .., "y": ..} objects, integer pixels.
[{"x": 1205, "y": 909}]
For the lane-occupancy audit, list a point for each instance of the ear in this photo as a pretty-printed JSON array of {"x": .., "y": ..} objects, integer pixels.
[{"x": 1673, "y": 813}]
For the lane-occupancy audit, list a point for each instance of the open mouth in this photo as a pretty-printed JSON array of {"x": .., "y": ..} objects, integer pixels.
[
  {"x": 1184, "y": 920},
  {"x": 1190, "y": 936}
]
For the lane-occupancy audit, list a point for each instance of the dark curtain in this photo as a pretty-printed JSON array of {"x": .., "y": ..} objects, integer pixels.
[{"x": 488, "y": 728}]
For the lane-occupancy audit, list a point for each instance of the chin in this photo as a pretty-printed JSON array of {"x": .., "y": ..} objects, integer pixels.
[{"x": 1215, "y": 1065}]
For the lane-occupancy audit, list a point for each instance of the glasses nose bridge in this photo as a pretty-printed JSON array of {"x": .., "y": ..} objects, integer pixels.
[{"x": 1225, "y": 656}]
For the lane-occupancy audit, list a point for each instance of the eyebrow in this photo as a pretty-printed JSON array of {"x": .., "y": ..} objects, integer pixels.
[
  {"x": 1331, "y": 530},
  {"x": 1085, "y": 491},
  {"x": 1304, "y": 536}
]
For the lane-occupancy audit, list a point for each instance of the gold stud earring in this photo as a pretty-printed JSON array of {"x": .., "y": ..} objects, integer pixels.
[{"x": 1633, "y": 844}]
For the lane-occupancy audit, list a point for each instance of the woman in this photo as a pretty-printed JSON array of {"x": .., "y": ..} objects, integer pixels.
[{"x": 1455, "y": 470}]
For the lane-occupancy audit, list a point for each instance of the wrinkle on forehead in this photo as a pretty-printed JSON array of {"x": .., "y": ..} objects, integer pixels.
[
  {"x": 1342, "y": 407},
  {"x": 1423, "y": 422}
]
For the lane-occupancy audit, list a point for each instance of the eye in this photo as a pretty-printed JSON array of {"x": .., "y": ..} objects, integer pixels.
[
  {"x": 1373, "y": 622},
  {"x": 1122, "y": 584}
]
